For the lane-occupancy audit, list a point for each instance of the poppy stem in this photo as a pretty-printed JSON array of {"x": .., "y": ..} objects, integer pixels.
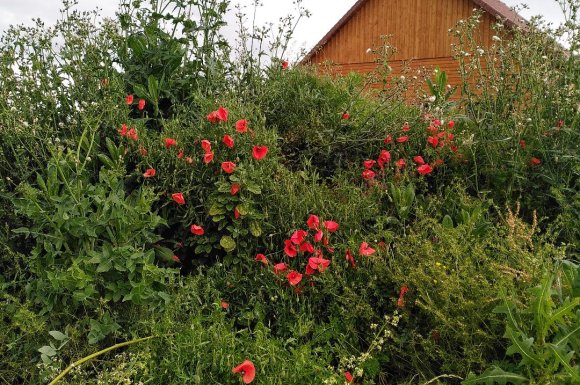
[{"x": 94, "y": 355}]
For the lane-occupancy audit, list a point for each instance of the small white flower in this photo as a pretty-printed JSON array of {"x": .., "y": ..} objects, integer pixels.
[
  {"x": 402, "y": 78},
  {"x": 369, "y": 50},
  {"x": 495, "y": 38},
  {"x": 432, "y": 98}
]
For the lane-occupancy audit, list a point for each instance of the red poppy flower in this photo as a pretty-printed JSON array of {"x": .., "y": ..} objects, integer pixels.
[
  {"x": 189, "y": 160},
  {"x": 237, "y": 214},
  {"x": 141, "y": 104},
  {"x": 418, "y": 159},
  {"x": 180, "y": 154},
  {"x": 535, "y": 161},
  {"x": 318, "y": 263},
  {"x": 298, "y": 237},
  {"x": 294, "y": 278},
  {"x": 222, "y": 114},
  {"x": 129, "y": 99},
  {"x": 424, "y": 169},
  {"x": 284, "y": 64},
  {"x": 345, "y": 116},
  {"x": 436, "y": 122},
  {"x": 289, "y": 249},
  {"x": 306, "y": 247},
  {"x": 170, "y": 142},
  {"x": 234, "y": 189},
  {"x": 348, "y": 377},
  {"x": 405, "y": 127},
  {"x": 175, "y": 258},
  {"x": 441, "y": 134},
  {"x": 123, "y": 130},
  {"x": 522, "y": 143},
  {"x": 247, "y": 370},
  {"x": 228, "y": 167},
  {"x": 150, "y": 172},
  {"x": 433, "y": 141},
  {"x": 178, "y": 198},
  {"x": 432, "y": 130},
  {"x": 313, "y": 222},
  {"x": 402, "y": 292},
  {"x": 197, "y": 230},
  {"x": 280, "y": 267},
  {"x": 207, "y": 157},
  {"x": 368, "y": 174},
  {"x": 400, "y": 163},
  {"x": 365, "y": 249},
  {"x": 212, "y": 117},
  {"x": 242, "y": 126},
  {"x": 388, "y": 139},
  {"x": 261, "y": 258},
  {"x": 331, "y": 226},
  {"x": 450, "y": 136},
  {"x": 369, "y": 163},
  {"x": 224, "y": 305},
  {"x": 453, "y": 147},
  {"x": 206, "y": 145},
  {"x": 259, "y": 152},
  {"x": 402, "y": 139},
  {"x": 384, "y": 157},
  {"x": 228, "y": 141},
  {"x": 318, "y": 236},
  {"x": 451, "y": 124},
  {"x": 350, "y": 259}
]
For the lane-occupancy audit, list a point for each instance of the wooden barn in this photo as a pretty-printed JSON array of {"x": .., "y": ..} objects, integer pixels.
[{"x": 419, "y": 30}]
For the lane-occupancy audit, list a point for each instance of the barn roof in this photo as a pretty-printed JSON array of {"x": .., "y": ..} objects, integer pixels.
[{"x": 495, "y": 8}]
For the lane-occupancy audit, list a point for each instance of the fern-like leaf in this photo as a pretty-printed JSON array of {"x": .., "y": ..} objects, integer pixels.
[{"x": 493, "y": 376}]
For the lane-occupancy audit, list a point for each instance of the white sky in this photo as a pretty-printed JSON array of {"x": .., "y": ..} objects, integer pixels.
[{"x": 325, "y": 13}]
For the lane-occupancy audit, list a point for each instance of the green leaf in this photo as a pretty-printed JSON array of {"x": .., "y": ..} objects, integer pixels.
[
  {"x": 493, "y": 376},
  {"x": 227, "y": 243},
  {"x": 253, "y": 188},
  {"x": 521, "y": 345},
  {"x": 566, "y": 309},
  {"x": 216, "y": 209},
  {"x": 255, "y": 228},
  {"x": 564, "y": 359},
  {"x": 47, "y": 350},
  {"x": 58, "y": 335},
  {"x": 447, "y": 222},
  {"x": 541, "y": 304}
]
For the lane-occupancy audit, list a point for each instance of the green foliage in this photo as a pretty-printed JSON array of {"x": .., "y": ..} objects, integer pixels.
[
  {"x": 543, "y": 335},
  {"x": 93, "y": 240}
]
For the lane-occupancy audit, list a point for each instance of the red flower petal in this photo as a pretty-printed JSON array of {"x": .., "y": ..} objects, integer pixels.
[
  {"x": 234, "y": 189},
  {"x": 419, "y": 159},
  {"x": 141, "y": 104},
  {"x": 259, "y": 152},
  {"x": 345, "y": 116},
  {"x": 280, "y": 267},
  {"x": 368, "y": 174},
  {"x": 207, "y": 157},
  {"x": 228, "y": 141},
  {"x": 242, "y": 126},
  {"x": 129, "y": 99},
  {"x": 170, "y": 142},
  {"x": 365, "y": 250},
  {"x": 318, "y": 236},
  {"x": 402, "y": 139},
  {"x": 289, "y": 249},
  {"x": 228, "y": 167},
  {"x": 298, "y": 237},
  {"x": 369, "y": 163},
  {"x": 197, "y": 230},
  {"x": 261, "y": 258},
  {"x": 348, "y": 377},
  {"x": 150, "y": 172},
  {"x": 331, "y": 226},
  {"x": 294, "y": 278},
  {"x": 206, "y": 145},
  {"x": 313, "y": 222},
  {"x": 178, "y": 198},
  {"x": 424, "y": 169},
  {"x": 247, "y": 370}
]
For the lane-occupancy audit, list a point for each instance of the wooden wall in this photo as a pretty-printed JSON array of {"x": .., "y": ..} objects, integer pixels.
[{"x": 419, "y": 30}]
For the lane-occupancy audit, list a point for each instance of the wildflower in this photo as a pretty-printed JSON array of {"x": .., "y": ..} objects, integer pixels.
[
  {"x": 180, "y": 154},
  {"x": 237, "y": 213},
  {"x": 207, "y": 157},
  {"x": 348, "y": 377},
  {"x": 405, "y": 127},
  {"x": 224, "y": 305},
  {"x": 424, "y": 169},
  {"x": 141, "y": 104},
  {"x": 129, "y": 99},
  {"x": 228, "y": 141},
  {"x": 313, "y": 222},
  {"x": 306, "y": 247},
  {"x": 318, "y": 236},
  {"x": 298, "y": 237},
  {"x": 228, "y": 167},
  {"x": 345, "y": 116},
  {"x": 178, "y": 198},
  {"x": 433, "y": 141},
  {"x": 176, "y": 259},
  {"x": 451, "y": 124},
  {"x": 289, "y": 249},
  {"x": 150, "y": 172},
  {"x": 368, "y": 174},
  {"x": 169, "y": 142},
  {"x": 316, "y": 264},
  {"x": 222, "y": 114},
  {"x": 331, "y": 226},
  {"x": 400, "y": 163},
  {"x": 197, "y": 230},
  {"x": 388, "y": 139},
  {"x": 418, "y": 159},
  {"x": 206, "y": 145},
  {"x": 247, "y": 370},
  {"x": 402, "y": 292},
  {"x": 284, "y": 64},
  {"x": 369, "y": 163},
  {"x": 242, "y": 126},
  {"x": 350, "y": 258},
  {"x": 234, "y": 189},
  {"x": 259, "y": 152},
  {"x": 365, "y": 249},
  {"x": 402, "y": 139},
  {"x": 261, "y": 258},
  {"x": 280, "y": 267},
  {"x": 384, "y": 157},
  {"x": 189, "y": 160},
  {"x": 294, "y": 278},
  {"x": 535, "y": 161},
  {"x": 522, "y": 143},
  {"x": 123, "y": 130}
]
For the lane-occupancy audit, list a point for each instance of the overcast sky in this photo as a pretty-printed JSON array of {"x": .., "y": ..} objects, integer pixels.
[{"x": 325, "y": 13}]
